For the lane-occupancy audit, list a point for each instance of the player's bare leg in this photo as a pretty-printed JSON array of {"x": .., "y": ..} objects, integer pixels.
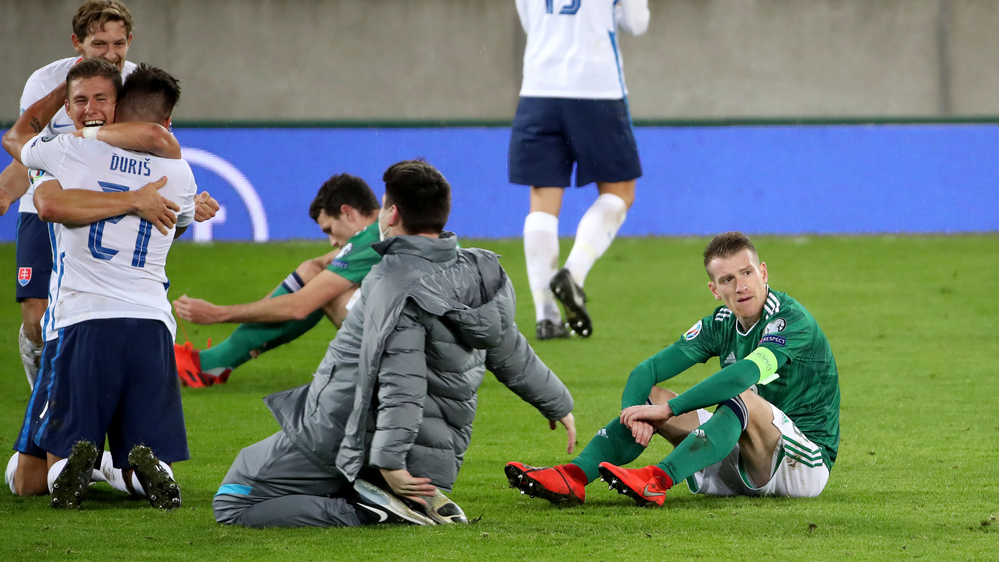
[
  {"x": 760, "y": 439},
  {"x": 677, "y": 427},
  {"x": 32, "y": 312},
  {"x": 29, "y": 475},
  {"x": 336, "y": 309},
  {"x": 541, "y": 253}
]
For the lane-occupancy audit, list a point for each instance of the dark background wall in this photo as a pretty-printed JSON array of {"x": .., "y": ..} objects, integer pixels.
[{"x": 461, "y": 59}]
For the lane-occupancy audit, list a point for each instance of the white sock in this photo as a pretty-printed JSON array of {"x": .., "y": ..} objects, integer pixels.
[
  {"x": 31, "y": 356},
  {"x": 594, "y": 234},
  {"x": 98, "y": 474},
  {"x": 54, "y": 471},
  {"x": 541, "y": 252},
  {"x": 9, "y": 474}
]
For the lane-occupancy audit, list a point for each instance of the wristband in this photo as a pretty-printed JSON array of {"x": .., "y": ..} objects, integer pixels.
[
  {"x": 90, "y": 132},
  {"x": 766, "y": 362}
]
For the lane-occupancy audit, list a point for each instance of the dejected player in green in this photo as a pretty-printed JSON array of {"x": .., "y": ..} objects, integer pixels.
[
  {"x": 777, "y": 425},
  {"x": 347, "y": 211}
]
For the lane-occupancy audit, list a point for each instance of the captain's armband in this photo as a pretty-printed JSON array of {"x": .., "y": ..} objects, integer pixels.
[{"x": 766, "y": 362}]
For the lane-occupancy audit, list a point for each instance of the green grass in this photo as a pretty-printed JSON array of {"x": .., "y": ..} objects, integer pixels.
[{"x": 912, "y": 322}]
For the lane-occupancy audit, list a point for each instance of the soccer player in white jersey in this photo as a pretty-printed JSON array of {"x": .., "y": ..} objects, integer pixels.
[
  {"x": 573, "y": 109},
  {"x": 101, "y": 29},
  {"x": 111, "y": 309}
]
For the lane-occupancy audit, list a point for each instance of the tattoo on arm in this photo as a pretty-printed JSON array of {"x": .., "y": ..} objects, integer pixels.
[{"x": 36, "y": 125}]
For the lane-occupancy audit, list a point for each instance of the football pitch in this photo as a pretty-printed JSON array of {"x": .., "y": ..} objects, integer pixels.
[{"x": 912, "y": 321}]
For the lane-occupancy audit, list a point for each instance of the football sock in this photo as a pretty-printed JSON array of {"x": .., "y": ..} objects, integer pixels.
[
  {"x": 99, "y": 474},
  {"x": 54, "y": 471},
  {"x": 594, "y": 234},
  {"x": 8, "y": 475},
  {"x": 705, "y": 446},
  {"x": 235, "y": 350},
  {"x": 613, "y": 444},
  {"x": 541, "y": 252},
  {"x": 31, "y": 356}
]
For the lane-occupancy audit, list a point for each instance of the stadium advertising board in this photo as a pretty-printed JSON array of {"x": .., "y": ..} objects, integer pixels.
[{"x": 697, "y": 180}]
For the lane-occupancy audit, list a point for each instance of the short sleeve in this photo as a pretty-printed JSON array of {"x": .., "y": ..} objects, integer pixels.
[
  {"x": 354, "y": 263},
  {"x": 187, "y": 205},
  {"x": 699, "y": 342},
  {"x": 787, "y": 333},
  {"x": 45, "y": 152}
]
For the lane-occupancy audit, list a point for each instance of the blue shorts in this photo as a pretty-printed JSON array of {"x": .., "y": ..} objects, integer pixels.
[
  {"x": 550, "y": 134},
  {"x": 115, "y": 377},
  {"x": 34, "y": 257},
  {"x": 36, "y": 409}
]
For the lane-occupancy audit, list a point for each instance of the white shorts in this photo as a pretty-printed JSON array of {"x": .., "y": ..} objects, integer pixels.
[{"x": 797, "y": 468}]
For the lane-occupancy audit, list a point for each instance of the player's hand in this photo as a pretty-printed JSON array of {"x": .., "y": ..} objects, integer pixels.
[
  {"x": 570, "y": 424},
  {"x": 198, "y": 311},
  {"x": 205, "y": 207},
  {"x": 155, "y": 208},
  {"x": 656, "y": 414},
  {"x": 407, "y": 486},
  {"x": 642, "y": 432}
]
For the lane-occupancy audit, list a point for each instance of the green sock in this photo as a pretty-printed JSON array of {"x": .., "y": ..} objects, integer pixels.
[
  {"x": 705, "y": 446},
  {"x": 235, "y": 350},
  {"x": 613, "y": 444}
]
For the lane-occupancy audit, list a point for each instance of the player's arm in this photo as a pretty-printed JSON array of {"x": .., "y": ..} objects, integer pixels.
[
  {"x": 663, "y": 366},
  {"x": 760, "y": 366},
  {"x": 293, "y": 306},
  {"x": 141, "y": 137},
  {"x": 402, "y": 389},
  {"x": 33, "y": 121},
  {"x": 14, "y": 183},
  {"x": 633, "y": 15},
  {"x": 79, "y": 207}
]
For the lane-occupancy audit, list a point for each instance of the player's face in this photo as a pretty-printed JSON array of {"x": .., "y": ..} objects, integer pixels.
[
  {"x": 110, "y": 43},
  {"x": 740, "y": 282},
  {"x": 338, "y": 229},
  {"x": 91, "y": 102}
]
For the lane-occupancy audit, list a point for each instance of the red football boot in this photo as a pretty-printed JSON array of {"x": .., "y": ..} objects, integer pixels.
[
  {"x": 644, "y": 485},
  {"x": 189, "y": 367},
  {"x": 563, "y": 484}
]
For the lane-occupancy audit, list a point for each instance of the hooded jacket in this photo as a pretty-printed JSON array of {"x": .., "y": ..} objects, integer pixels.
[{"x": 397, "y": 387}]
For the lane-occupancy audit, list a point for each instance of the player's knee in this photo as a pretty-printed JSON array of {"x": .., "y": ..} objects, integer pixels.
[
  {"x": 309, "y": 269},
  {"x": 659, "y": 395}
]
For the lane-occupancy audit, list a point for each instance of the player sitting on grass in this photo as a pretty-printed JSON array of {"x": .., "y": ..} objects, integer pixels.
[
  {"x": 346, "y": 209},
  {"x": 776, "y": 428},
  {"x": 396, "y": 392}
]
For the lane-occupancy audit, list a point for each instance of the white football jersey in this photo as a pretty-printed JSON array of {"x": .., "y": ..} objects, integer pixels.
[
  {"x": 572, "y": 49},
  {"x": 113, "y": 268},
  {"x": 40, "y": 84}
]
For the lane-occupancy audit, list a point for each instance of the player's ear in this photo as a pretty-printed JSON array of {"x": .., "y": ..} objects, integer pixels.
[
  {"x": 77, "y": 44},
  {"x": 763, "y": 271},
  {"x": 715, "y": 292}
]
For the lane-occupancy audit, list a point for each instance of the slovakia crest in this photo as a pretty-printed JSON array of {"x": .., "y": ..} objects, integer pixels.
[
  {"x": 693, "y": 332},
  {"x": 23, "y": 275}
]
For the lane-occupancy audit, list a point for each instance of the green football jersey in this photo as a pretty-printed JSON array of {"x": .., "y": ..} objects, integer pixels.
[
  {"x": 807, "y": 388},
  {"x": 357, "y": 257}
]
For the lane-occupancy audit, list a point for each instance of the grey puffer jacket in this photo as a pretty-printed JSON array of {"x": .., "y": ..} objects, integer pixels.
[{"x": 432, "y": 318}]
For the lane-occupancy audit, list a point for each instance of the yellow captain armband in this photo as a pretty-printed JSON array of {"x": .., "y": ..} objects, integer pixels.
[{"x": 766, "y": 362}]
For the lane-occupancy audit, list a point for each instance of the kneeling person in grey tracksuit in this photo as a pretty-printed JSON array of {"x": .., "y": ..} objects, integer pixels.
[{"x": 396, "y": 390}]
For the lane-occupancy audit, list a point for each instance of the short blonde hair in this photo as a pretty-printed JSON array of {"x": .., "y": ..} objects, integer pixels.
[{"x": 726, "y": 245}]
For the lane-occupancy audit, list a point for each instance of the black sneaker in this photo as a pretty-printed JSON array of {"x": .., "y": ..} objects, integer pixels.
[
  {"x": 574, "y": 302},
  {"x": 388, "y": 507},
  {"x": 72, "y": 482},
  {"x": 161, "y": 490},
  {"x": 549, "y": 330}
]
